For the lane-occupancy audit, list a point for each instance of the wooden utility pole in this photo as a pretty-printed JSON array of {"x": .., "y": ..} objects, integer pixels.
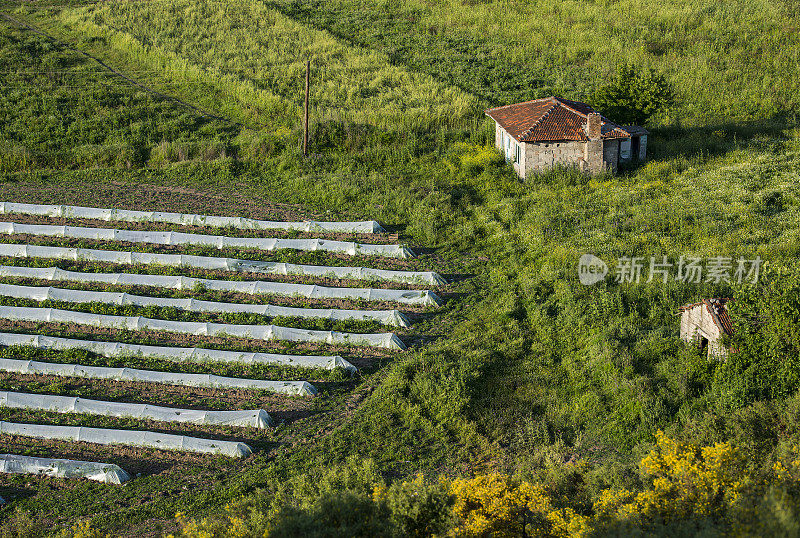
[{"x": 305, "y": 112}]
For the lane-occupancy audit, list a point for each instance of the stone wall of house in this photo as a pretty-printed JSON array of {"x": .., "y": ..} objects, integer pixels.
[
  {"x": 540, "y": 156},
  {"x": 521, "y": 166},
  {"x": 697, "y": 323},
  {"x": 498, "y": 136},
  {"x": 642, "y": 148},
  {"x": 499, "y": 133},
  {"x": 611, "y": 155},
  {"x": 594, "y": 156}
]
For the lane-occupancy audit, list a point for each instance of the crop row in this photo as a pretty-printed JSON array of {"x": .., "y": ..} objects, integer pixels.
[{"x": 115, "y": 325}]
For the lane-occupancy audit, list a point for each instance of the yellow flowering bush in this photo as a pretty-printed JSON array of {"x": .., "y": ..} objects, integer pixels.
[
  {"x": 690, "y": 487},
  {"x": 494, "y": 505},
  {"x": 229, "y": 527},
  {"x": 489, "y": 504},
  {"x": 84, "y": 529},
  {"x": 787, "y": 468},
  {"x": 688, "y": 481}
]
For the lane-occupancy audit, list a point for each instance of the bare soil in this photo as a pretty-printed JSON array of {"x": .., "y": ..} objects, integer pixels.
[
  {"x": 151, "y": 197},
  {"x": 135, "y": 461},
  {"x": 256, "y": 438}
]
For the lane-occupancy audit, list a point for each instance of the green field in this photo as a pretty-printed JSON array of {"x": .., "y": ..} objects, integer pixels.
[{"x": 524, "y": 371}]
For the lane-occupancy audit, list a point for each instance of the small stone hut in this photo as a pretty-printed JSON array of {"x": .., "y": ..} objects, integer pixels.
[
  {"x": 537, "y": 135},
  {"x": 705, "y": 323}
]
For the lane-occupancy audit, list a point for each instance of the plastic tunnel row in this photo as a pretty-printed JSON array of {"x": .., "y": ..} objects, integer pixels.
[
  {"x": 216, "y": 241},
  {"x": 251, "y": 287},
  {"x": 256, "y": 418},
  {"x": 386, "y": 317},
  {"x": 103, "y": 436},
  {"x": 58, "y": 468},
  {"x": 249, "y": 418},
  {"x": 174, "y": 354},
  {"x": 186, "y": 219},
  {"x": 258, "y": 332},
  {"x": 300, "y": 388},
  {"x": 15, "y": 250}
]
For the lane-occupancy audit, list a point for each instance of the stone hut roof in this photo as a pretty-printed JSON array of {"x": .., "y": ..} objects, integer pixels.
[
  {"x": 551, "y": 119},
  {"x": 718, "y": 310},
  {"x": 636, "y": 130}
]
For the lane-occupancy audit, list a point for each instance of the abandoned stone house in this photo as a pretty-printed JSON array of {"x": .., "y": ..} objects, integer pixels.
[
  {"x": 537, "y": 135},
  {"x": 705, "y": 323}
]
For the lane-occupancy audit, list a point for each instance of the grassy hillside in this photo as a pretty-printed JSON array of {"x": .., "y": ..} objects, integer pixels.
[
  {"x": 526, "y": 371},
  {"x": 60, "y": 109},
  {"x": 734, "y": 60},
  {"x": 257, "y": 56}
]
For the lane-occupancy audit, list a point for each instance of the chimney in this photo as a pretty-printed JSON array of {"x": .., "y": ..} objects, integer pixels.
[
  {"x": 594, "y": 147},
  {"x": 593, "y": 123}
]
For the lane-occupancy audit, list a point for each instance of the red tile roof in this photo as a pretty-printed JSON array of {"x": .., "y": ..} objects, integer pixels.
[
  {"x": 720, "y": 314},
  {"x": 550, "y": 119},
  {"x": 718, "y": 311}
]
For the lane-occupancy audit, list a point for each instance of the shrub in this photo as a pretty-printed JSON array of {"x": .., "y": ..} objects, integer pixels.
[
  {"x": 417, "y": 508},
  {"x": 634, "y": 95},
  {"x": 344, "y": 514},
  {"x": 494, "y": 505},
  {"x": 688, "y": 483},
  {"x": 686, "y": 489}
]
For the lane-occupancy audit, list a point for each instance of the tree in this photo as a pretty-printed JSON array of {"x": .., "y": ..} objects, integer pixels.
[{"x": 634, "y": 95}]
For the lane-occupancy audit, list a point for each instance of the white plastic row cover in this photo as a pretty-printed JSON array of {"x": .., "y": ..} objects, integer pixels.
[
  {"x": 184, "y": 219},
  {"x": 251, "y": 287},
  {"x": 175, "y": 354},
  {"x": 302, "y": 388},
  {"x": 256, "y": 418},
  {"x": 386, "y": 317},
  {"x": 216, "y": 241},
  {"x": 258, "y": 332},
  {"x": 103, "y": 436},
  {"x": 15, "y": 250},
  {"x": 99, "y": 472}
]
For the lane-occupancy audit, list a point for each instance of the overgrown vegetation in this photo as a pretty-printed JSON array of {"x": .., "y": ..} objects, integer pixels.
[
  {"x": 686, "y": 490},
  {"x": 531, "y": 373}
]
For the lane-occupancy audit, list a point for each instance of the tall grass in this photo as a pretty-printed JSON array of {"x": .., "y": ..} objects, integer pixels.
[
  {"x": 58, "y": 109},
  {"x": 728, "y": 60},
  {"x": 256, "y": 58}
]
